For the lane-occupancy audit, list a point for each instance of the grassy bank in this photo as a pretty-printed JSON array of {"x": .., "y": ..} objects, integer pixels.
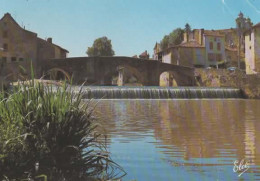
[{"x": 50, "y": 134}]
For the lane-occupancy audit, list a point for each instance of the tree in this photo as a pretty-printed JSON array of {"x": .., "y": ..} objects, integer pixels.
[
  {"x": 174, "y": 38},
  {"x": 101, "y": 47},
  {"x": 187, "y": 28},
  {"x": 165, "y": 42}
]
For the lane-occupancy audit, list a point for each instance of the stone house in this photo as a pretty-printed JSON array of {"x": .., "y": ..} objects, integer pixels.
[
  {"x": 144, "y": 55},
  {"x": 252, "y": 50},
  {"x": 202, "y": 48},
  {"x": 18, "y": 45}
]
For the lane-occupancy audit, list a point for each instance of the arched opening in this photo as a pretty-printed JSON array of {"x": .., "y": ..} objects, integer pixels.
[
  {"x": 167, "y": 79},
  {"x": 131, "y": 76},
  {"x": 111, "y": 78},
  {"x": 124, "y": 75},
  {"x": 57, "y": 74}
]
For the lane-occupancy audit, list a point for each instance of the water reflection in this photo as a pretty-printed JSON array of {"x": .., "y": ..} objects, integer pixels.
[{"x": 191, "y": 138}]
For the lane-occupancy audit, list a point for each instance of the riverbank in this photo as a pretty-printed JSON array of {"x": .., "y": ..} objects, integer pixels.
[{"x": 249, "y": 84}]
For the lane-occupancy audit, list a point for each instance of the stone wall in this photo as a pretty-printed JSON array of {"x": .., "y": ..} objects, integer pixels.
[{"x": 250, "y": 84}]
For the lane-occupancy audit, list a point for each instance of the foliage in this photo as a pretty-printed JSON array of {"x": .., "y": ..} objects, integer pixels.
[
  {"x": 174, "y": 38},
  {"x": 53, "y": 127},
  {"x": 187, "y": 28},
  {"x": 243, "y": 24},
  {"x": 101, "y": 47},
  {"x": 165, "y": 42}
]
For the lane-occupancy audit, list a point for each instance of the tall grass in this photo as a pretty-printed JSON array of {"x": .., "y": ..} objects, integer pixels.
[{"x": 51, "y": 127}]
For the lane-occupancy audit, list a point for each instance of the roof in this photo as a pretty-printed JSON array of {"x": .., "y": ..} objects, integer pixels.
[
  {"x": 60, "y": 48},
  {"x": 191, "y": 44},
  {"x": 53, "y": 44},
  {"x": 212, "y": 33},
  {"x": 144, "y": 54},
  {"x": 156, "y": 44},
  {"x": 256, "y": 25},
  {"x": 231, "y": 49},
  {"x": 8, "y": 15}
]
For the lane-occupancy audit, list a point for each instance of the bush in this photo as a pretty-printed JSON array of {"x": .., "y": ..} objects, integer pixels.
[{"x": 50, "y": 127}]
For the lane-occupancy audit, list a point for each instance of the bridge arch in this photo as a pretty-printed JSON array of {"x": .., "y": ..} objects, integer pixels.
[
  {"x": 57, "y": 74},
  {"x": 123, "y": 74},
  {"x": 167, "y": 79}
]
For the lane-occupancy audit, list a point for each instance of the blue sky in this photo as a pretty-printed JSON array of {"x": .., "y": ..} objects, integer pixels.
[{"x": 132, "y": 25}]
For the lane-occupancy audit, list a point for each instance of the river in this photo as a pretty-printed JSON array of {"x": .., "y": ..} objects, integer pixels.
[{"x": 183, "y": 139}]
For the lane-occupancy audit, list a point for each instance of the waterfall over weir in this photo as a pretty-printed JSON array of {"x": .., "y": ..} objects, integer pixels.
[{"x": 111, "y": 92}]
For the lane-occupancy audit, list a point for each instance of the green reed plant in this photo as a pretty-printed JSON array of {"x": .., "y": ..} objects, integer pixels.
[{"x": 51, "y": 127}]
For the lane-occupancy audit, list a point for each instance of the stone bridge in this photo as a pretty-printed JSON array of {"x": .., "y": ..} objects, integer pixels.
[{"x": 102, "y": 70}]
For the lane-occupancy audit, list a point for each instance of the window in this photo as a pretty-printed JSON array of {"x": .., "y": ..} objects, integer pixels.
[
  {"x": 13, "y": 59},
  {"x": 215, "y": 39},
  {"x": 5, "y": 47},
  {"x": 211, "y": 57},
  {"x": 5, "y": 34},
  {"x": 250, "y": 47},
  {"x": 211, "y": 46},
  {"x": 20, "y": 59},
  {"x": 249, "y": 36},
  {"x": 218, "y": 46},
  {"x": 4, "y": 59},
  {"x": 219, "y": 57}
]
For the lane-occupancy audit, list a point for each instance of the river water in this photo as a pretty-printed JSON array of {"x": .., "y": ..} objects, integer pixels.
[{"x": 196, "y": 139}]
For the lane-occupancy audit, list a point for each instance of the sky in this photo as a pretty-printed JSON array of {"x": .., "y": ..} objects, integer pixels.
[{"x": 132, "y": 25}]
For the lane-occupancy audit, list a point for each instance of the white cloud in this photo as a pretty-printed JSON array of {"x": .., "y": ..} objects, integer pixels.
[
  {"x": 253, "y": 6},
  {"x": 223, "y": 2}
]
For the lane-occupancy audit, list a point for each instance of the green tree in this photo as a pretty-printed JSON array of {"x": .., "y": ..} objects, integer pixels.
[
  {"x": 187, "y": 28},
  {"x": 101, "y": 47},
  {"x": 174, "y": 38},
  {"x": 165, "y": 42}
]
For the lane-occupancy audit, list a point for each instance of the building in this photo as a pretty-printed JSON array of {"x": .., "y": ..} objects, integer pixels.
[
  {"x": 144, "y": 55},
  {"x": 157, "y": 52},
  {"x": 18, "y": 45},
  {"x": 252, "y": 50},
  {"x": 202, "y": 48}
]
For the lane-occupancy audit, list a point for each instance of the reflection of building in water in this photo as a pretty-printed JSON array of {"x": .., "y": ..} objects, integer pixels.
[
  {"x": 252, "y": 147},
  {"x": 250, "y": 141},
  {"x": 203, "y": 129},
  {"x": 188, "y": 128}
]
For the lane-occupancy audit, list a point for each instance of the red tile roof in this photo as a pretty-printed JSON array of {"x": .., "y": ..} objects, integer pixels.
[
  {"x": 256, "y": 25},
  {"x": 144, "y": 54}
]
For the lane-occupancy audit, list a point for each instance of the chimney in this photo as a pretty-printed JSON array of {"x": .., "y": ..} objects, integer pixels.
[
  {"x": 185, "y": 37},
  {"x": 201, "y": 36},
  {"x": 49, "y": 40}
]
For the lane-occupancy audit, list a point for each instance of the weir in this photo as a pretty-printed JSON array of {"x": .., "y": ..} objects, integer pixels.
[{"x": 112, "y": 92}]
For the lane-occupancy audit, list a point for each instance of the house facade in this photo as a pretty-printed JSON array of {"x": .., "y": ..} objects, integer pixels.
[
  {"x": 202, "y": 48},
  {"x": 18, "y": 45},
  {"x": 252, "y": 50}
]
